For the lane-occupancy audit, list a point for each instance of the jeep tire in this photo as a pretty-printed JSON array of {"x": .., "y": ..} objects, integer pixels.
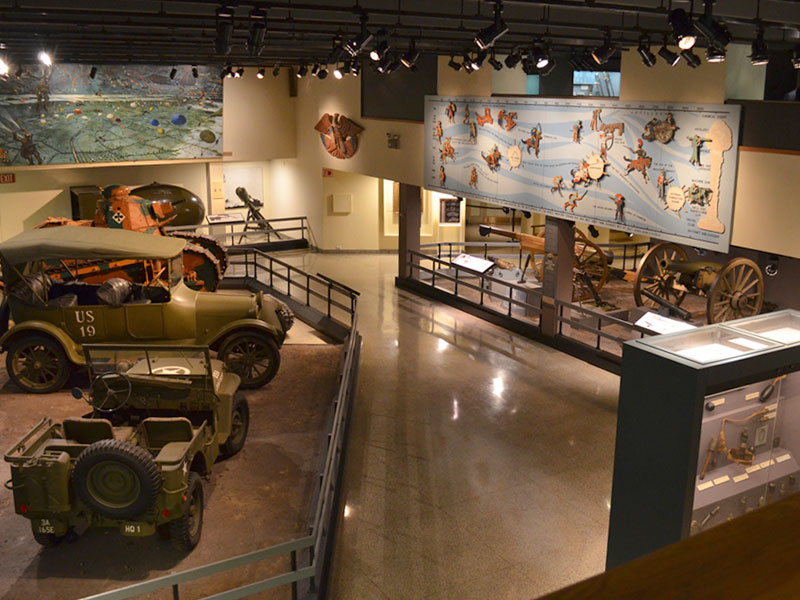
[
  {"x": 252, "y": 355},
  {"x": 185, "y": 530},
  {"x": 37, "y": 363},
  {"x": 116, "y": 479},
  {"x": 240, "y": 423}
]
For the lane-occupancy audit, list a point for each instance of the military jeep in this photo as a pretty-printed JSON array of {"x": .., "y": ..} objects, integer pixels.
[
  {"x": 59, "y": 296},
  {"x": 160, "y": 419}
]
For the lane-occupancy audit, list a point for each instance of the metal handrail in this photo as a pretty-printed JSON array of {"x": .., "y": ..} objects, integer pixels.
[{"x": 228, "y": 230}]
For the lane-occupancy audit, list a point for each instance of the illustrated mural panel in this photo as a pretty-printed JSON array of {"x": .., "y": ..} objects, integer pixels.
[
  {"x": 59, "y": 114},
  {"x": 662, "y": 170}
]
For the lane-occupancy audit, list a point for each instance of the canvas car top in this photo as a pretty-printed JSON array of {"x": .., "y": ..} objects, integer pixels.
[{"x": 88, "y": 243}]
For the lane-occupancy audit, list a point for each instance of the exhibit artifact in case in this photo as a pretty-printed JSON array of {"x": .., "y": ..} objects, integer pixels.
[
  {"x": 161, "y": 417},
  {"x": 56, "y": 305},
  {"x": 718, "y": 439}
]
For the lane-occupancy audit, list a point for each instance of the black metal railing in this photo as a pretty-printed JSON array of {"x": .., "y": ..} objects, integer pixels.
[{"x": 256, "y": 231}]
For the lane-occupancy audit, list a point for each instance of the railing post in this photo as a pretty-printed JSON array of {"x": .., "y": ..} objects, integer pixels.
[
  {"x": 456, "y": 284},
  {"x": 308, "y": 293},
  {"x": 329, "y": 299},
  {"x": 510, "y": 298},
  {"x": 599, "y": 327},
  {"x": 175, "y": 593},
  {"x": 293, "y": 559}
]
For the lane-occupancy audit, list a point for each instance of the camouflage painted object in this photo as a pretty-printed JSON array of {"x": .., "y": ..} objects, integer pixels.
[
  {"x": 161, "y": 417},
  {"x": 57, "y": 301}
]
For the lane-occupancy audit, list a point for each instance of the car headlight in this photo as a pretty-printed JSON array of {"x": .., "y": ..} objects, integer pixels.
[{"x": 285, "y": 316}]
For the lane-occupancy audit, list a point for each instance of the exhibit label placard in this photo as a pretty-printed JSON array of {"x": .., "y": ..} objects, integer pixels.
[{"x": 663, "y": 170}]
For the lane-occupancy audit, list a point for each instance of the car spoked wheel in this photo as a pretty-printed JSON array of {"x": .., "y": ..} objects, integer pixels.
[
  {"x": 252, "y": 356},
  {"x": 240, "y": 423},
  {"x": 37, "y": 364},
  {"x": 185, "y": 530}
]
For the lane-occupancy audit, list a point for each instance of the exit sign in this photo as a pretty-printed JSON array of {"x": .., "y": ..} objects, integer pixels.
[{"x": 7, "y": 178}]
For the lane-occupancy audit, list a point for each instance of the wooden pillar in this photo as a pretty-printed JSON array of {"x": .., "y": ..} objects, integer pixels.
[
  {"x": 559, "y": 256},
  {"x": 410, "y": 222}
]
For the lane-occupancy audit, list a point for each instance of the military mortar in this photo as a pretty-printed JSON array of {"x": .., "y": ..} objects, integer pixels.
[
  {"x": 733, "y": 290},
  {"x": 590, "y": 271}
]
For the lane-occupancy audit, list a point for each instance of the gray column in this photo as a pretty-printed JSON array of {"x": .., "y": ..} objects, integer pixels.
[
  {"x": 559, "y": 257},
  {"x": 410, "y": 221}
]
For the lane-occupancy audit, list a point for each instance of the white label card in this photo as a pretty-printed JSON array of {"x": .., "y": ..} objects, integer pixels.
[
  {"x": 753, "y": 469},
  {"x": 721, "y": 480},
  {"x": 705, "y": 486},
  {"x": 741, "y": 477},
  {"x": 752, "y": 396},
  {"x": 718, "y": 401},
  {"x": 782, "y": 458}
]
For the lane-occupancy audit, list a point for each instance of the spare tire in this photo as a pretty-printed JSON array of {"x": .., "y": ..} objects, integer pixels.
[
  {"x": 116, "y": 479},
  {"x": 115, "y": 292}
]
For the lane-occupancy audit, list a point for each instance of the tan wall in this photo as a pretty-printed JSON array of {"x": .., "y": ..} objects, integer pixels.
[
  {"x": 258, "y": 117},
  {"x": 662, "y": 83},
  {"x": 359, "y": 228}
]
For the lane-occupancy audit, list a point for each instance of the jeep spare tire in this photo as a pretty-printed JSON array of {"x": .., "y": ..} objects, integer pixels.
[{"x": 116, "y": 479}]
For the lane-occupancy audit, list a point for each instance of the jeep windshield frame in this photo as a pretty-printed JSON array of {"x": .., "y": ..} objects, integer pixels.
[{"x": 167, "y": 363}]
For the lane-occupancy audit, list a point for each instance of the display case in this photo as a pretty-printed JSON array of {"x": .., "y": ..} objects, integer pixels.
[{"x": 708, "y": 430}]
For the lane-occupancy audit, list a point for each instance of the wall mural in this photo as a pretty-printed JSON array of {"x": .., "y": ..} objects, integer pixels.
[
  {"x": 339, "y": 135},
  {"x": 58, "y": 114},
  {"x": 666, "y": 171}
]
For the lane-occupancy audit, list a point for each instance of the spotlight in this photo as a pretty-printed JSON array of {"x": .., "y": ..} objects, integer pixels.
[
  {"x": 714, "y": 31},
  {"x": 496, "y": 64},
  {"x": 715, "y": 55},
  {"x": 92, "y": 72},
  {"x": 194, "y": 71},
  {"x": 410, "y": 57},
  {"x": 691, "y": 58},
  {"x": 470, "y": 62},
  {"x": 684, "y": 30},
  {"x": 337, "y": 72},
  {"x": 172, "y": 73},
  {"x": 603, "y": 52},
  {"x": 796, "y": 57},
  {"x": 379, "y": 51},
  {"x": 315, "y": 69},
  {"x": 574, "y": 62},
  {"x": 489, "y": 35},
  {"x": 668, "y": 55},
  {"x": 258, "y": 31},
  {"x": 538, "y": 57},
  {"x": 260, "y": 73},
  {"x": 648, "y": 58},
  {"x": 4, "y": 68},
  {"x": 226, "y": 72},
  {"x": 276, "y": 71},
  {"x": 548, "y": 68},
  {"x": 45, "y": 59},
  {"x": 224, "y": 29},
  {"x": 512, "y": 60},
  {"x": 239, "y": 73},
  {"x": 758, "y": 50},
  {"x": 354, "y": 46},
  {"x": 529, "y": 66},
  {"x": 479, "y": 58},
  {"x": 456, "y": 66},
  {"x": 302, "y": 71},
  {"x": 355, "y": 68},
  {"x": 322, "y": 73}
]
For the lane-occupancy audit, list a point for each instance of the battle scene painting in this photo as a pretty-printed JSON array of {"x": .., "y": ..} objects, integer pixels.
[{"x": 60, "y": 114}]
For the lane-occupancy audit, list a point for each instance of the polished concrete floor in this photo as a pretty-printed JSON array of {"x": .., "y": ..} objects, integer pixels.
[{"x": 479, "y": 462}]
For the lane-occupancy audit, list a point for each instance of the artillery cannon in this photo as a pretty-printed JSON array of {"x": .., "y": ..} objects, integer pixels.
[
  {"x": 733, "y": 290},
  {"x": 590, "y": 271}
]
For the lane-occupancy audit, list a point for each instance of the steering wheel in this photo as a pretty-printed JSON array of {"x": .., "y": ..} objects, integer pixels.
[{"x": 110, "y": 385}]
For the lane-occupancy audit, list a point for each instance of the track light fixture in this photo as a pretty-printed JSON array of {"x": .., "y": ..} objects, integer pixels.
[
  {"x": 470, "y": 63},
  {"x": 172, "y": 73},
  {"x": 489, "y": 35},
  {"x": 668, "y": 55},
  {"x": 355, "y": 68},
  {"x": 315, "y": 69},
  {"x": 260, "y": 73},
  {"x": 548, "y": 68},
  {"x": 758, "y": 49},
  {"x": 496, "y": 64},
  {"x": 92, "y": 71},
  {"x": 45, "y": 59},
  {"x": 276, "y": 70},
  {"x": 453, "y": 64},
  {"x": 410, "y": 56},
  {"x": 512, "y": 60},
  {"x": 338, "y": 72},
  {"x": 302, "y": 71},
  {"x": 648, "y": 58},
  {"x": 195, "y": 72},
  {"x": 682, "y": 27},
  {"x": 796, "y": 57},
  {"x": 538, "y": 56},
  {"x": 322, "y": 73},
  {"x": 691, "y": 58},
  {"x": 239, "y": 73},
  {"x": 258, "y": 31},
  {"x": 225, "y": 72},
  {"x": 603, "y": 52},
  {"x": 715, "y": 55},
  {"x": 4, "y": 68},
  {"x": 574, "y": 61},
  {"x": 355, "y": 45},
  {"x": 479, "y": 58},
  {"x": 715, "y": 32},
  {"x": 379, "y": 51},
  {"x": 224, "y": 29}
]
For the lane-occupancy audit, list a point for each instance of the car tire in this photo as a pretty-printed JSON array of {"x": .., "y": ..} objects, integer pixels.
[
  {"x": 240, "y": 423},
  {"x": 48, "y": 540},
  {"x": 185, "y": 530},
  {"x": 37, "y": 363},
  {"x": 252, "y": 355},
  {"x": 116, "y": 479}
]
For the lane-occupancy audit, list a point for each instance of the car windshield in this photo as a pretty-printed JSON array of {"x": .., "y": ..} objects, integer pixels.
[{"x": 156, "y": 362}]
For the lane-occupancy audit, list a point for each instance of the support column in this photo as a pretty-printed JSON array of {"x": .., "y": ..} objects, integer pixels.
[
  {"x": 410, "y": 222},
  {"x": 559, "y": 257}
]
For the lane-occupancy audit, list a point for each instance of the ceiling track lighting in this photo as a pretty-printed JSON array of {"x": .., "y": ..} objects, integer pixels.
[
  {"x": 260, "y": 73},
  {"x": 668, "y": 55},
  {"x": 715, "y": 32},
  {"x": 226, "y": 72},
  {"x": 4, "y": 68},
  {"x": 410, "y": 57},
  {"x": 548, "y": 68},
  {"x": 574, "y": 61},
  {"x": 682, "y": 28},
  {"x": 92, "y": 71},
  {"x": 258, "y": 32},
  {"x": 301, "y": 72},
  {"x": 648, "y": 58},
  {"x": 477, "y": 63},
  {"x": 715, "y": 55},
  {"x": 496, "y": 64},
  {"x": 172, "y": 73},
  {"x": 758, "y": 49},
  {"x": 454, "y": 64},
  {"x": 222, "y": 43},
  {"x": 487, "y": 36},
  {"x": 195, "y": 72},
  {"x": 356, "y": 45},
  {"x": 276, "y": 70},
  {"x": 355, "y": 68},
  {"x": 796, "y": 57},
  {"x": 512, "y": 60},
  {"x": 603, "y": 52},
  {"x": 691, "y": 58},
  {"x": 239, "y": 73},
  {"x": 379, "y": 51},
  {"x": 337, "y": 72},
  {"x": 322, "y": 73},
  {"x": 538, "y": 56},
  {"x": 45, "y": 59}
]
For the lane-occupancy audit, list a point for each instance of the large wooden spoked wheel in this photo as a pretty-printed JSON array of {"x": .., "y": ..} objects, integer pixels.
[
  {"x": 589, "y": 260},
  {"x": 654, "y": 276},
  {"x": 738, "y": 291}
]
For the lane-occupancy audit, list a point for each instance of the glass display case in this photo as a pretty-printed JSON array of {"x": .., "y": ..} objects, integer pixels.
[{"x": 708, "y": 430}]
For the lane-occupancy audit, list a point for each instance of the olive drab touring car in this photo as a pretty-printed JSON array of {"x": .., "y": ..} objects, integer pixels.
[
  {"x": 161, "y": 416},
  {"x": 55, "y": 307}
]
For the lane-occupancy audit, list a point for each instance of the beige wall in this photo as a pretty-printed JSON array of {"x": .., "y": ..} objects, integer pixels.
[
  {"x": 662, "y": 83},
  {"x": 743, "y": 81},
  {"x": 358, "y": 229}
]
